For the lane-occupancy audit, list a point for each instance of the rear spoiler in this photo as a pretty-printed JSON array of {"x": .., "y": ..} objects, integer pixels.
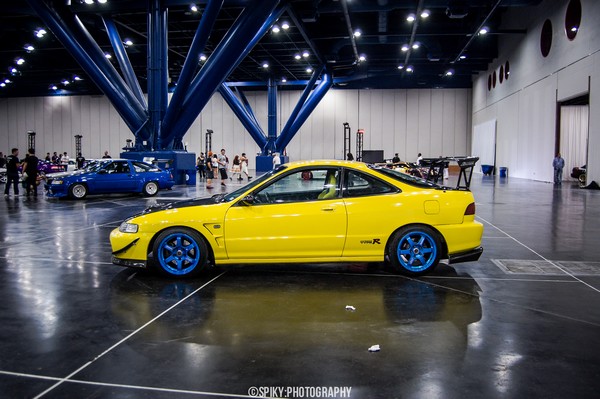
[{"x": 437, "y": 165}]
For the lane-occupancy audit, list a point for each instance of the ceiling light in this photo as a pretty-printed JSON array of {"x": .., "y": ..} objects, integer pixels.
[
  {"x": 462, "y": 57},
  {"x": 484, "y": 30},
  {"x": 309, "y": 70},
  {"x": 19, "y": 61},
  {"x": 410, "y": 69},
  {"x": 88, "y": 1},
  {"x": 425, "y": 14},
  {"x": 65, "y": 82},
  {"x": 76, "y": 78},
  {"x": 202, "y": 57},
  {"x": 450, "y": 72},
  {"x": 285, "y": 25},
  {"x": 13, "y": 71},
  {"x": 283, "y": 80},
  {"x": 297, "y": 56},
  {"x": 416, "y": 45},
  {"x": 194, "y": 8},
  {"x": 411, "y": 17},
  {"x": 40, "y": 32},
  {"x": 275, "y": 29},
  {"x": 53, "y": 87},
  {"x": 265, "y": 65},
  {"x": 2, "y": 84},
  {"x": 357, "y": 33},
  {"x": 362, "y": 58},
  {"x": 102, "y": 1},
  {"x": 305, "y": 54},
  {"x": 7, "y": 81},
  {"x": 400, "y": 66},
  {"x": 404, "y": 48},
  {"x": 574, "y": 29},
  {"x": 128, "y": 42},
  {"x": 29, "y": 48}
]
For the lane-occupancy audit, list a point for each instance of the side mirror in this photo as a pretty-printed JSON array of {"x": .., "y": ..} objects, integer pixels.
[{"x": 248, "y": 199}]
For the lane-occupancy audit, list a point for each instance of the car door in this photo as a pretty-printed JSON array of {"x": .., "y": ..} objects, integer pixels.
[
  {"x": 373, "y": 209},
  {"x": 300, "y": 215},
  {"x": 115, "y": 177}
]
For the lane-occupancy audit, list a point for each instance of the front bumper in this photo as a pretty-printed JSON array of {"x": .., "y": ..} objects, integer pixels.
[
  {"x": 129, "y": 262},
  {"x": 468, "y": 256}
]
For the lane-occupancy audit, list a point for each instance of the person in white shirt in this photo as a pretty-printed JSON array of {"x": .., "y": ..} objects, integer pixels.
[
  {"x": 64, "y": 160},
  {"x": 276, "y": 160}
]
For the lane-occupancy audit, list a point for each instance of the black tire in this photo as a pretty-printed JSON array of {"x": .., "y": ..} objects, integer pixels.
[
  {"x": 78, "y": 191},
  {"x": 150, "y": 189},
  {"x": 415, "y": 250},
  {"x": 179, "y": 252}
]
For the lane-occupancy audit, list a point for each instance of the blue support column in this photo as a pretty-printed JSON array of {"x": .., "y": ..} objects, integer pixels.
[
  {"x": 209, "y": 17},
  {"x": 240, "y": 111},
  {"x": 250, "y": 26},
  {"x": 311, "y": 103},
  {"x": 272, "y": 116},
  {"x": 157, "y": 68},
  {"x": 76, "y": 39},
  {"x": 302, "y": 99},
  {"x": 123, "y": 59},
  {"x": 245, "y": 103}
]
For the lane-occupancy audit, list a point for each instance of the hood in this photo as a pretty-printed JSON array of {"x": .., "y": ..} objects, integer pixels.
[
  {"x": 183, "y": 204},
  {"x": 60, "y": 175}
]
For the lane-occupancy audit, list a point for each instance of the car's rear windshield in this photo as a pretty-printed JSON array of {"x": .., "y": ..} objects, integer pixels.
[{"x": 405, "y": 178}]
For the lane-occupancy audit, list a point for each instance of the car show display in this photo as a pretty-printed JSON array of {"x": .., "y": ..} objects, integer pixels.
[
  {"x": 308, "y": 212},
  {"x": 109, "y": 176}
]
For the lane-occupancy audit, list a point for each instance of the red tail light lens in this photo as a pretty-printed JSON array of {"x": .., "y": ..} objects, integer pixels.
[{"x": 470, "y": 209}]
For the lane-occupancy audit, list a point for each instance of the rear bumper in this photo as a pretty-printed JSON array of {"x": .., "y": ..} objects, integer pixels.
[
  {"x": 129, "y": 262},
  {"x": 468, "y": 256}
]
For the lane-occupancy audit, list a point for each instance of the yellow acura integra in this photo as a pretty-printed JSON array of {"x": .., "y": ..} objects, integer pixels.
[{"x": 313, "y": 211}]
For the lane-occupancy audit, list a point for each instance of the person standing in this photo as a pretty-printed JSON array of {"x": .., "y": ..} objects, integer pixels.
[
  {"x": 201, "y": 165},
  {"x": 244, "y": 164},
  {"x": 106, "y": 155},
  {"x": 80, "y": 161},
  {"x": 2, "y": 160},
  {"x": 419, "y": 158},
  {"x": 30, "y": 168},
  {"x": 236, "y": 168},
  {"x": 64, "y": 161},
  {"x": 396, "y": 159},
  {"x": 276, "y": 160},
  {"x": 558, "y": 164},
  {"x": 209, "y": 169},
  {"x": 48, "y": 157},
  {"x": 12, "y": 172},
  {"x": 222, "y": 162}
]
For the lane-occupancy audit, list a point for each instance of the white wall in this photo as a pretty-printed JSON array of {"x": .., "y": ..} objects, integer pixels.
[
  {"x": 433, "y": 122},
  {"x": 525, "y": 104}
]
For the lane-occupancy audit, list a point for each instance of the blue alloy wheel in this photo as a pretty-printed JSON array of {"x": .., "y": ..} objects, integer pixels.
[
  {"x": 416, "y": 250},
  {"x": 180, "y": 252}
]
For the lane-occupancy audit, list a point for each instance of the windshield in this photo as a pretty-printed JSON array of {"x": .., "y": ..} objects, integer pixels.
[
  {"x": 405, "y": 178},
  {"x": 235, "y": 194},
  {"x": 96, "y": 166}
]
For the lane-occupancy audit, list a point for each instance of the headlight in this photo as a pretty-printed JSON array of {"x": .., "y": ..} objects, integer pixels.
[
  {"x": 128, "y": 228},
  {"x": 57, "y": 182}
]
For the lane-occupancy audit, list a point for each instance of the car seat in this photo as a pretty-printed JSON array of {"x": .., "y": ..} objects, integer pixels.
[{"x": 330, "y": 189}]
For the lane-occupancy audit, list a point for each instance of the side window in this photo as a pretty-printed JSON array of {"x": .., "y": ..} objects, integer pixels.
[
  {"x": 302, "y": 185},
  {"x": 142, "y": 167},
  {"x": 122, "y": 167},
  {"x": 360, "y": 184}
]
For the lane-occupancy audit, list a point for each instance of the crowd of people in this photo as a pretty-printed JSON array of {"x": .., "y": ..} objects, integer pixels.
[{"x": 213, "y": 166}]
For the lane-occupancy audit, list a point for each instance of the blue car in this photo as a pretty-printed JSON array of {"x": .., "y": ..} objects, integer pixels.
[{"x": 110, "y": 176}]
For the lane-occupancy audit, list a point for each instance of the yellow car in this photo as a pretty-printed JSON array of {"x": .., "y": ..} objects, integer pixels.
[{"x": 303, "y": 212}]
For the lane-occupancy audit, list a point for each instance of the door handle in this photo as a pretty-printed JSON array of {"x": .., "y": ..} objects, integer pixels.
[{"x": 327, "y": 209}]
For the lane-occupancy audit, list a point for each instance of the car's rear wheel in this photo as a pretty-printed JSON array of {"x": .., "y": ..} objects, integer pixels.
[
  {"x": 150, "y": 189},
  {"x": 180, "y": 252},
  {"x": 78, "y": 191},
  {"x": 415, "y": 250}
]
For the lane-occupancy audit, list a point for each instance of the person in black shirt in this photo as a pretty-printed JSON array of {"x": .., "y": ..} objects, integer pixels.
[
  {"x": 80, "y": 161},
  {"x": 12, "y": 172},
  {"x": 30, "y": 167}
]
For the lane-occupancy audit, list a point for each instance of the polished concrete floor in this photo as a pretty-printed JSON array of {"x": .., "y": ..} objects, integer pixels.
[{"x": 522, "y": 322}]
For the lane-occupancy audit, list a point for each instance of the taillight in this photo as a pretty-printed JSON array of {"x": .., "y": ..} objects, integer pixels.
[{"x": 470, "y": 209}]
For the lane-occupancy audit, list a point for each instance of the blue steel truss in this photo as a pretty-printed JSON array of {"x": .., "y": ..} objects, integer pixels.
[{"x": 159, "y": 124}]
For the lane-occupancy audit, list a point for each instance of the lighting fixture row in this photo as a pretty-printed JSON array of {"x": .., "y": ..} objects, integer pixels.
[
  {"x": 92, "y": 1},
  {"x": 13, "y": 70}
]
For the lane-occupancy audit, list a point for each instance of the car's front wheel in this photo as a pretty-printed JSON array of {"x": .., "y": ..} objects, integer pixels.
[
  {"x": 150, "y": 189},
  {"x": 415, "y": 250},
  {"x": 78, "y": 191},
  {"x": 180, "y": 252}
]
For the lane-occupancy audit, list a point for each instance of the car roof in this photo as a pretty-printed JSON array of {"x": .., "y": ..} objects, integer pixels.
[{"x": 328, "y": 162}]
